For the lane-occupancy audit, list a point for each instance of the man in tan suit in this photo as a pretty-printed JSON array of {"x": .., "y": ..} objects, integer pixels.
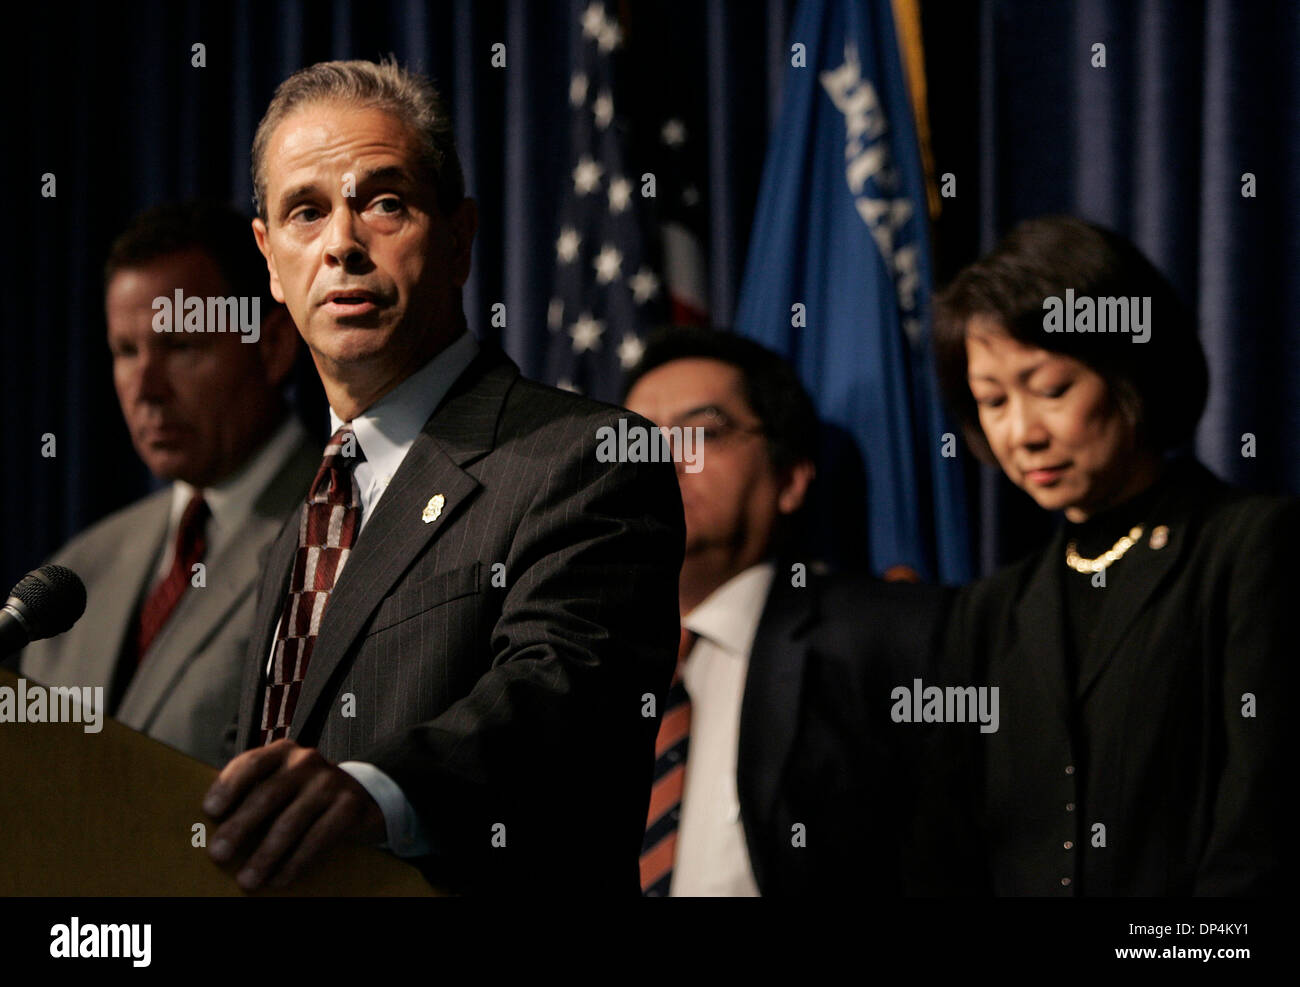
[{"x": 170, "y": 579}]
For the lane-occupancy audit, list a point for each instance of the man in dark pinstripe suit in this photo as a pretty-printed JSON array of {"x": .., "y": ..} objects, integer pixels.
[{"x": 469, "y": 685}]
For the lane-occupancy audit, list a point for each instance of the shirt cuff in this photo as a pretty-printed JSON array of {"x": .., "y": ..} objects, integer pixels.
[{"x": 405, "y": 834}]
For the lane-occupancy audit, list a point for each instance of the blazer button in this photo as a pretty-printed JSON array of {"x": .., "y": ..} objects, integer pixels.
[
  {"x": 1069, "y": 844},
  {"x": 1069, "y": 769},
  {"x": 1065, "y": 882},
  {"x": 1069, "y": 806}
]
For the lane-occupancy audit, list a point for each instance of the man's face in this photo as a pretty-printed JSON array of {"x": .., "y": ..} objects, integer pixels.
[
  {"x": 356, "y": 245},
  {"x": 732, "y": 503},
  {"x": 1049, "y": 420},
  {"x": 196, "y": 404}
]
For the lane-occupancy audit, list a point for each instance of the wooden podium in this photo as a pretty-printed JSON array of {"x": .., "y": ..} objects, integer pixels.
[{"x": 112, "y": 813}]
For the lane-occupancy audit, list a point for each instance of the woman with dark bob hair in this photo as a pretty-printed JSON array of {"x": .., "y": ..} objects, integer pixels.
[{"x": 1143, "y": 659}]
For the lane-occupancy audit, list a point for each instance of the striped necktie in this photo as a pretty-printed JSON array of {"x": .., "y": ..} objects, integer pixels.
[
  {"x": 326, "y": 530},
  {"x": 659, "y": 847},
  {"x": 191, "y": 546}
]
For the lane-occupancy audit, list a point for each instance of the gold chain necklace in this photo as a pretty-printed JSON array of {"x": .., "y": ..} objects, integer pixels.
[{"x": 1079, "y": 564}]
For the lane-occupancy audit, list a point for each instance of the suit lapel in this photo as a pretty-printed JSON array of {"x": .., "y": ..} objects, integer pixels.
[
  {"x": 232, "y": 577},
  {"x": 119, "y": 590},
  {"x": 1040, "y": 628},
  {"x": 461, "y": 430},
  {"x": 1147, "y": 569},
  {"x": 769, "y": 712},
  {"x": 198, "y": 616}
]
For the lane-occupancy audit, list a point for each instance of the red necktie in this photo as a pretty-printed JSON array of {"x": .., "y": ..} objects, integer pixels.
[
  {"x": 660, "y": 844},
  {"x": 162, "y": 599},
  {"x": 329, "y": 524}
]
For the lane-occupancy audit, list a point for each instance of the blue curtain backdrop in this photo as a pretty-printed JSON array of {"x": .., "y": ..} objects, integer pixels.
[
  {"x": 1193, "y": 96},
  {"x": 105, "y": 98}
]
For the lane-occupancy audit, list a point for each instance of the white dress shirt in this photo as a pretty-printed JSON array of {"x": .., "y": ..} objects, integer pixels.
[
  {"x": 385, "y": 433},
  {"x": 386, "y": 430},
  {"x": 712, "y": 857}
]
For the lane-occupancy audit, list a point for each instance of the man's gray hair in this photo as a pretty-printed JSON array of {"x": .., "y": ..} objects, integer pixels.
[{"x": 384, "y": 85}]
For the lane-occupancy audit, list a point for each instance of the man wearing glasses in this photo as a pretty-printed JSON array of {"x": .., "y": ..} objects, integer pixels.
[{"x": 774, "y": 772}]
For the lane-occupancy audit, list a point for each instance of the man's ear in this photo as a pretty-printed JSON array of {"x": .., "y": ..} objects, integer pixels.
[
  {"x": 463, "y": 222},
  {"x": 278, "y": 345},
  {"x": 794, "y": 488},
  {"x": 264, "y": 245}
]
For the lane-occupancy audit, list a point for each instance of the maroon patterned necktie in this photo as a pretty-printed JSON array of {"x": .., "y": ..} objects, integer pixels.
[
  {"x": 329, "y": 524},
  {"x": 163, "y": 598}
]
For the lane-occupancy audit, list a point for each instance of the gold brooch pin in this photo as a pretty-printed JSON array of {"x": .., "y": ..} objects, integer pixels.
[{"x": 433, "y": 508}]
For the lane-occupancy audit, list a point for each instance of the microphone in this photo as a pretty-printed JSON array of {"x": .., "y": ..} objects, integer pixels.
[{"x": 45, "y": 602}]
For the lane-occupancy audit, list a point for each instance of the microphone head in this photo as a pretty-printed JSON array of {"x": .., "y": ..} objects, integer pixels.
[{"x": 51, "y": 599}]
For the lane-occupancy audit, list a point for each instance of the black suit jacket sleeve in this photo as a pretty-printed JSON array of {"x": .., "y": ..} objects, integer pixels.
[
  {"x": 540, "y": 776},
  {"x": 1247, "y": 849}
]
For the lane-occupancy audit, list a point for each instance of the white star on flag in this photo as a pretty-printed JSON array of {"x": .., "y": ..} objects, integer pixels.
[
  {"x": 608, "y": 263},
  {"x": 586, "y": 333},
  {"x": 593, "y": 21},
  {"x": 611, "y": 36},
  {"x": 586, "y": 177},
  {"x": 565, "y": 384},
  {"x": 620, "y": 194},
  {"x": 566, "y": 247},
  {"x": 644, "y": 285},
  {"x": 630, "y": 350},
  {"x": 674, "y": 133},
  {"x": 604, "y": 109},
  {"x": 578, "y": 89}
]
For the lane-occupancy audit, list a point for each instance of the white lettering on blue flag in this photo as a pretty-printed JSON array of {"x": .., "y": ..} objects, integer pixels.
[{"x": 872, "y": 177}]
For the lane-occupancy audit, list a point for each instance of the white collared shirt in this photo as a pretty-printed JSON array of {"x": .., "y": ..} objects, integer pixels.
[
  {"x": 385, "y": 433},
  {"x": 712, "y": 857},
  {"x": 388, "y": 428}
]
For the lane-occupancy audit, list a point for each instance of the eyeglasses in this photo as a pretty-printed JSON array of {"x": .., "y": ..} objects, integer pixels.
[{"x": 717, "y": 428}]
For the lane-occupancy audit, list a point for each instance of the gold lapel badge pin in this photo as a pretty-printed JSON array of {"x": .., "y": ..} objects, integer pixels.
[{"x": 433, "y": 508}]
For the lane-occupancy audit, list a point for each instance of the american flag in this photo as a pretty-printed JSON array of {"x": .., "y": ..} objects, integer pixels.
[
  {"x": 682, "y": 210},
  {"x": 607, "y": 293}
]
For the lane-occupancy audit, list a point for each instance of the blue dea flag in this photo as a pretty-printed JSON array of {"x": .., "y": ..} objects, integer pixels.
[{"x": 838, "y": 281}]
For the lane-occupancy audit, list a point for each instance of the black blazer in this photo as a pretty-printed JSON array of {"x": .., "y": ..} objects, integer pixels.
[
  {"x": 1153, "y": 744},
  {"x": 498, "y": 657},
  {"x": 817, "y": 746}
]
